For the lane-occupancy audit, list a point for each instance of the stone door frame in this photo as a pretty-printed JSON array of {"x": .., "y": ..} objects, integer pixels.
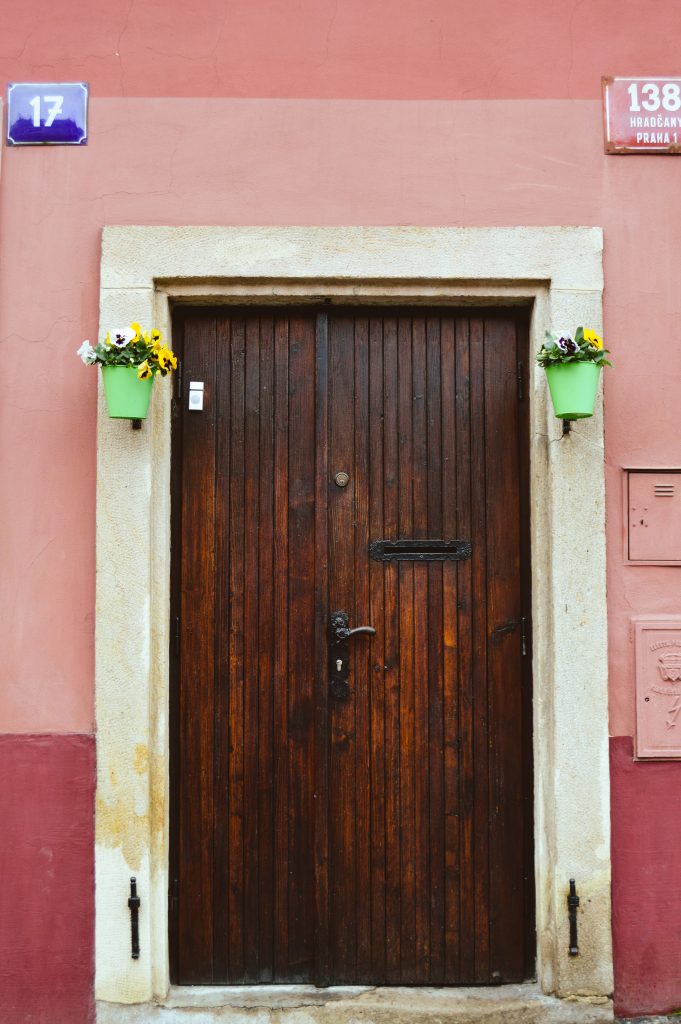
[{"x": 557, "y": 273}]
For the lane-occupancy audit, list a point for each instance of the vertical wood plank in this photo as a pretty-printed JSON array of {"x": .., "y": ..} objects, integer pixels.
[
  {"x": 197, "y": 668},
  {"x": 342, "y": 752},
  {"x": 466, "y": 795},
  {"x": 322, "y": 710},
  {"x": 361, "y": 653},
  {"x": 504, "y": 658},
  {"x": 236, "y": 651},
  {"x": 479, "y": 564},
  {"x": 435, "y": 667},
  {"x": 378, "y": 674},
  {"x": 223, "y": 402},
  {"x": 406, "y": 649},
  {"x": 391, "y": 456},
  {"x": 421, "y": 968},
  {"x": 301, "y": 648},
  {"x": 265, "y": 861},
  {"x": 281, "y": 661},
  {"x": 454, "y": 422},
  {"x": 251, "y": 660}
]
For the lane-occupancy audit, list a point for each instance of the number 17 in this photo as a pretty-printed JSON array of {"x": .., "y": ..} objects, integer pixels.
[{"x": 52, "y": 113}]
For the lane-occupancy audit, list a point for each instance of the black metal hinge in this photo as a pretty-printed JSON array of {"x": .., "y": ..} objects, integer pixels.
[
  {"x": 521, "y": 387},
  {"x": 573, "y": 904},
  {"x": 134, "y": 904},
  {"x": 176, "y": 636},
  {"x": 523, "y": 636},
  {"x": 174, "y": 892},
  {"x": 178, "y": 379}
]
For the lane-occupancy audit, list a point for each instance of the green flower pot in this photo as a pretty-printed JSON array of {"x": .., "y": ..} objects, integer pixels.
[
  {"x": 127, "y": 397},
  {"x": 573, "y": 388}
]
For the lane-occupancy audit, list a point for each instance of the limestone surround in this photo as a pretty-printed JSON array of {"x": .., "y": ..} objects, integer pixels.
[{"x": 557, "y": 271}]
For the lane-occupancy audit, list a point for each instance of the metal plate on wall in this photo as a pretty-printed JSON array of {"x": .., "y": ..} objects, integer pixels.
[
  {"x": 658, "y": 686},
  {"x": 47, "y": 113}
]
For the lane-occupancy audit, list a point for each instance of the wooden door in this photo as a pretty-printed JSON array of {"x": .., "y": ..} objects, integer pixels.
[{"x": 382, "y": 837}]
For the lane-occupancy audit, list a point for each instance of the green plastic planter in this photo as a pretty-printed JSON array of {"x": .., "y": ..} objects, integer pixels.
[
  {"x": 127, "y": 397},
  {"x": 573, "y": 388}
]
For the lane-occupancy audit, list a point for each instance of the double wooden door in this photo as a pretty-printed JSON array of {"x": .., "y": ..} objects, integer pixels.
[{"x": 350, "y": 809}]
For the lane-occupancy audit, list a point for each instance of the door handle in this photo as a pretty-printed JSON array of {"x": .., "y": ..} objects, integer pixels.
[
  {"x": 340, "y": 630},
  {"x": 339, "y": 658}
]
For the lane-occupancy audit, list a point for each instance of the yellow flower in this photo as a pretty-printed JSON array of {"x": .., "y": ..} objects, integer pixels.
[
  {"x": 144, "y": 371},
  {"x": 591, "y": 338},
  {"x": 138, "y": 332},
  {"x": 107, "y": 340},
  {"x": 156, "y": 336},
  {"x": 166, "y": 358}
]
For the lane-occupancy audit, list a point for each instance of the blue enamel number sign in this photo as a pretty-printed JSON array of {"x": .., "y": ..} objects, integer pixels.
[{"x": 47, "y": 112}]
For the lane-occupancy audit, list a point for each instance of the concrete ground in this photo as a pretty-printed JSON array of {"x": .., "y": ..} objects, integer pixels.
[{"x": 302, "y": 1004}]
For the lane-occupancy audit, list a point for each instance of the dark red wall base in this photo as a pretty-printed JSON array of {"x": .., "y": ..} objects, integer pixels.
[
  {"x": 46, "y": 879},
  {"x": 646, "y": 882}
]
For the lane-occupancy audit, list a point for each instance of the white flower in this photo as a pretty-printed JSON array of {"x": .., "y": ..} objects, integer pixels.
[
  {"x": 122, "y": 336},
  {"x": 87, "y": 353}
]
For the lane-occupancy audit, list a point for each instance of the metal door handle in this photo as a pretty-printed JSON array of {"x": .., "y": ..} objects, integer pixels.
[
  {"x": 340, "y": 631},
  {"x": 369, "y": 630},
  {"x": 339, "y": 657}
]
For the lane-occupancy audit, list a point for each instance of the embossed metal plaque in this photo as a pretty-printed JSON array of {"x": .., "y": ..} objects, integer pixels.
[
  {"x": 642, "y": 115},
  {"x": 53, "y": 113},
  {"x": 658, "y": 686}
]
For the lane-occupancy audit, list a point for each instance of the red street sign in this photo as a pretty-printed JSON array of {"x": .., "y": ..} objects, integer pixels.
[{"x": 642, "y": 115}]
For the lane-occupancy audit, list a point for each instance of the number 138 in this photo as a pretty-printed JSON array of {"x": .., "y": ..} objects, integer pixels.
[{"x": 652, "y": 97}]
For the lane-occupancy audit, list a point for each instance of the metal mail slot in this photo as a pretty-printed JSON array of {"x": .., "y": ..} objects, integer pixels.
[{"x": 420, "y": 550}]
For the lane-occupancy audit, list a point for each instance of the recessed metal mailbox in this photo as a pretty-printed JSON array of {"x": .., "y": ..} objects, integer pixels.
[
  {"x": 658, "y": 686},
  {"x": 653, "y": 502}
]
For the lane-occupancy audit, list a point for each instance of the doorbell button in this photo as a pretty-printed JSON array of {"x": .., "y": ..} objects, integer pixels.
[{"x": 195, "y": 403}]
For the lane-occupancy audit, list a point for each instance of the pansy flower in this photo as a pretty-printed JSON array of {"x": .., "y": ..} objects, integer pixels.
[
  {"x": 138, "y": 332},
  {"x": 144, "y": 371},
  {"x": 166, "y": 359},
  {"x": 122, "y": 337},
  {"x": 87, "y": 353},
  {"x": 567, "y": 345},
  {"x": 592, "y": 339}
]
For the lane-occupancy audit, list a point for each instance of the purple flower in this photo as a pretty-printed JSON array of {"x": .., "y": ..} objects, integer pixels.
[{"x": 567, "y": 345}]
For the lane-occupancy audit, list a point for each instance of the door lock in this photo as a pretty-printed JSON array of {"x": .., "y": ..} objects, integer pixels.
[{"x": 339, "y": 634}]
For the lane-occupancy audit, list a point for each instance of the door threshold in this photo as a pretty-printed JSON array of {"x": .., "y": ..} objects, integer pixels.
[{"x": 295, "y": 1004}]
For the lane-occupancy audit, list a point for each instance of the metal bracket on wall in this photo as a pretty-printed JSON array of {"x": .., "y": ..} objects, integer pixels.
[
  {"x": 134, "y": 904},
  {"x": 573, "y": 903}
]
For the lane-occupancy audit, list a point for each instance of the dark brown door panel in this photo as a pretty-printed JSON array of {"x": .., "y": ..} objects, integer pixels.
[{"x": 358, "y": 809}]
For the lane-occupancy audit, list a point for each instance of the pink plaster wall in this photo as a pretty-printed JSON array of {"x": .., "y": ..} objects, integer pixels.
[
  {"x": 502, "y": 126},
  {"x": 165, "y": 161},
  {"x": 368, "y": 49}
]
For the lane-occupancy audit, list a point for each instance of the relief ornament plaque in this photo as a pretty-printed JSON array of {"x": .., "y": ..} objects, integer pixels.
[{"x": 658, "y": 687}]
